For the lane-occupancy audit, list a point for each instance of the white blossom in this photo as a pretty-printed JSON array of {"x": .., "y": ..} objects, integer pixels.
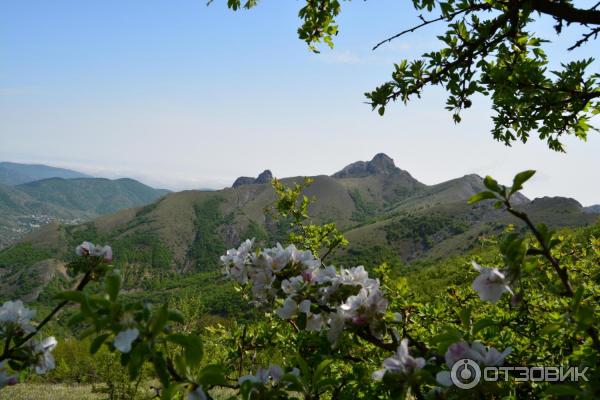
[
  {"x": 84, "y": 249},
  {"x": 289, "y": 309},
  {"x": 314, "y": 322},
  {"x": 235, "y": 261},
  {"x": 329, "y": 282},
  {"x": 15, "y": 314},
  {"x": 274, "y": 259},
  {"x": 276, "y": 372},
  {"x": 368, "y": 304},
  {"x": 299, "y": 275},
  {"x": 125, "y": 338},
  {"x": 306, "y": 258},
  {"x": 293, "y": 285},
  {"x": 337, "y": 322},
  {"x": 490, "y": 284},
  {"x": 90, "y": 249},
  {"x": 45, "y": 359},
  {"x": 108, "y": 253},
  {"x": 489, "y": 356},
  {"x": 262, "y": 284},
  {"x": 482, "y": 355},
  {"x": 400, "y": 363},
  {"x": 357, "y": 276},
  {"x": 261, "y": 376}
]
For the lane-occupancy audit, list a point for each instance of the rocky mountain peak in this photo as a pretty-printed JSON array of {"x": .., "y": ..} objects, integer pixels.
[
  {"x": 381, "y": 164},
  {"x": 264, "y": 177}
]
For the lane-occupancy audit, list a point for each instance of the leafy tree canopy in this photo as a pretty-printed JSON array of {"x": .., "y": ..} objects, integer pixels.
[{"x": 487, "y": 49}]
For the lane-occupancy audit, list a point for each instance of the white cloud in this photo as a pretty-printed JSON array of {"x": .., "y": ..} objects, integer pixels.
[{"x": 340, "y": 57}]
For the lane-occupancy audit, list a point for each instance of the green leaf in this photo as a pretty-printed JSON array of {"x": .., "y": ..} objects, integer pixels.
[
  {"x": 97, "y": 343},
  {"x": 112, "y": 284},
  {"x": 545, "y": 233},
  {"x": 176, "y": 316},
  {"x": 492, "y": 185},
  {"x": 74, "y": 296},
  {"x": 137, "y": 356},
  {"x": 212, "y": 375},
  {"x": 160, "y": 366},
  {"x": 159, "y": 319},
  {"x": 169, "y": 392},
  {"x": 446, "y": 338},
  {"x": 482, "y": 196},
  {"x": 577, "y": 299},
  {"x": 520, "y": 179},
  {"x": 550, "y": 329},
  {"x": 465, "y": 317},
  {"x": 325, "y": 384},
  {"x": 303, "y": 366},
  {"x": 481, "y": 324},
  {"x": 76, "y": 319},
  {"x": 323, "y": 365},
  {"x": 584, "y": 317},
  {"x": 193, "y": 348}
]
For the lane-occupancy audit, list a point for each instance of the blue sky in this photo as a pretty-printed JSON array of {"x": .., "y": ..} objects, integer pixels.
[{"x": 181, "y": 95}]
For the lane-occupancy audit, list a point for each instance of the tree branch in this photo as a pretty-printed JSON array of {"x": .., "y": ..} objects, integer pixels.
[
  {"x": 564, "y": 11},
  {"x": 562, "y": 272},
  {"x": 447, "y": 18},
  {"x": 7, "y": 351},
  {"x": 592, "y": 34}
]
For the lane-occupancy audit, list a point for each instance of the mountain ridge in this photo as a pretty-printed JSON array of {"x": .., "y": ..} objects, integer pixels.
[
  {"x": 12, "y": 173},
  {"x": 384, "y": 209},
  {"x": 26, "y": 206}
]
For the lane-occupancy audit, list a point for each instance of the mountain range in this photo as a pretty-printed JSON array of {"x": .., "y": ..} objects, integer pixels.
[
  {"x": 33, "y": 195},
  {"x": 382, "y": 209},
  {"x": 15, "y": 173}
]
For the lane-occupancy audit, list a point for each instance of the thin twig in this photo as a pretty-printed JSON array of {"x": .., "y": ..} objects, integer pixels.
[{"x": 426, "y": 22}]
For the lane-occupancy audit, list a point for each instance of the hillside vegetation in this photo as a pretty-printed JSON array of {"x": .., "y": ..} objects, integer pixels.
[
  {"x": 385, "y": 213},
  {"x": 27, "y": 206}
]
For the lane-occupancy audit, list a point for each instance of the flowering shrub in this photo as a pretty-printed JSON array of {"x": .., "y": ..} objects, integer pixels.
[
  {"x": 315, "y": 298},
  {"x": 335, "y": 332}
]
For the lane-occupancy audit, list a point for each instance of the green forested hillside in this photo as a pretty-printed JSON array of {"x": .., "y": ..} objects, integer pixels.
[
  {"x": 176, "y": 241},
  {"x": 26, "y": 207},
  {"x": 91, "y": 196}
]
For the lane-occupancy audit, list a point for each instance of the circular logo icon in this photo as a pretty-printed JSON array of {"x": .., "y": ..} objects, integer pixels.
[{"x": 465, "y": 374}]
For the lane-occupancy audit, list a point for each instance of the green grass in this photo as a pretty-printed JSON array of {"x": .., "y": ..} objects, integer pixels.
[
  {"x": 35, "y": 391},
  {"x": 49, "y": 391}
]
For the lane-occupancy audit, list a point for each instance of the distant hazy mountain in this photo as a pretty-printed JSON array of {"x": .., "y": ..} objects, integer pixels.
[
  {"x": 595, "y": 209},
  {"x": 377, "y": 205},
  {"x": 92, "y": 196},
  {"x": 16, "y": 174},
  {"x": 25, "y": 207}
]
